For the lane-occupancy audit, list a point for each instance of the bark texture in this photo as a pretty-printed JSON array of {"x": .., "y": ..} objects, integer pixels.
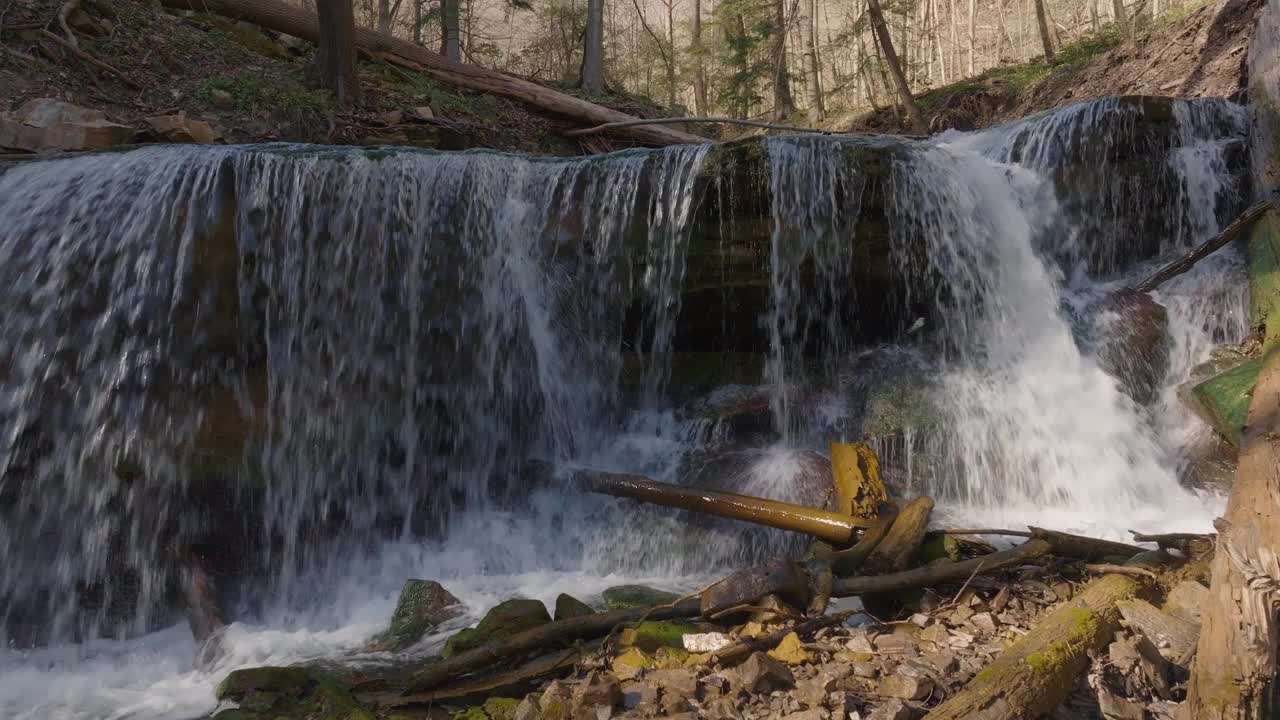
[
  {"x": 451, "y": 30},
  {"x": 294, "y": 21},
  {"x": 1042, "y": 21},
  {"x": 895, "y": 67},
  {"x": 1036, "y": 673},
  {"x": 783, "y": 104},
  {"x": 336, "y": 54},
  {"x": 593, "y": 48}
]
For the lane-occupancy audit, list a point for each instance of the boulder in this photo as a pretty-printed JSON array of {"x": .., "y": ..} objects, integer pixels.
[
  {"x": 568, "y": 606},
  {"x": 621, "y": 597},
  {"x": 906, "y": 687},
  {"x": 596, "y": 696},
  {"x": 1132, "y": 342},
  {"x": 181, "y": 129},
  {"x": 47, "y": 124},
  {"x": 1222, "y": 401},
  {"x": 269, "y": 693},
  {"x": 501, "y": 708},
  {"x": 507, "y": 618},
  {"x": 423, "y": 604},
  {"x": 763, "y": 674}
]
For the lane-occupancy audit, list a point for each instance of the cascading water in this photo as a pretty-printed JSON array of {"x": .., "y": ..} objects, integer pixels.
[{"x": 322, "y": 371}]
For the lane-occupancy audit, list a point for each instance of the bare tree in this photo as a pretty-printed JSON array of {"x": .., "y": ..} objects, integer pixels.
[
  {"x": 1117, "y": 15},
  {"x": 973, "y": 25},
  {"x": 451, "y": 29},
  {"x": 895, "y": 68},
  {"x": 593, "y": 48},
  {"x": 809, "y": 59},
  {"x": 417, "y": 22},
  {"x": 699, "y": 62},
  {"x": 387, "y": 14},
  {"x": 783, "y": 104},
  {"x": 336, "y": 55},
  {"x": 1045, "y": 39}
]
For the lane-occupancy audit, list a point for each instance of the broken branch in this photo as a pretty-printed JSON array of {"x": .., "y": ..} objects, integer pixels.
[
  {"x": 1203, "y": 250},
  {"x": 940, "y": 574}
]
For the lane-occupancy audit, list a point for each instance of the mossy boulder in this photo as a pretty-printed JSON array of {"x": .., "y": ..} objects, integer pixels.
[
  {"x": 568, "y": 606},
  {"x": 622, "y": 597},
  {"x": 423, "y": 604},
  {"x": 1223, "y": 400},
  {"x": 288, "y": 693},
  {"x": 501, "y": 708},
  {"x": 507, "y": 618},
  {"x": 1264, "y": 277}
]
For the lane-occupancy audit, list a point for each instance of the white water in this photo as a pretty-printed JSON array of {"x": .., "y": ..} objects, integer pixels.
[{"x": 1039, "y": 432}]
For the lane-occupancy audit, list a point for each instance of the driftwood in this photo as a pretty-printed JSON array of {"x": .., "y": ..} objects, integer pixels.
[
  {"x": 818, "y": 567},
  {"x": 822, "y": 524},
  {"x": 1173, "y": 637},
  {"x": 939, "y": 574},
  {"x": 1068, "y": 545},
  {"x": 845, "y": 562},
  {"x": 859, "y": 489},
  {"x": 1037, "y": 672},
  {"x": 557, "y": 632},
  {"x": 1203, "y": 250},
  {"x": 558, "y": 662},
  {"x": 300, "y": 23},
  {"x": 1189, "y": 543},
  {"x": 742, "y": 649},
  {"x": 899, "y": 545},
  {"x": 783, "y": 578}
]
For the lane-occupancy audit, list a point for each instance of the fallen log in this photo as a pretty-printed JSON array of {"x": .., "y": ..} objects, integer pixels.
[
  {"x": 300, "y": 23},
  {"x": 1036, "y": 673},
  {"x": 606, "y": 127},
  {"x": 845, "y": 562},
  {"x": 940, "y": 574},
  {"x": 1203, "y": 250},
  {"x": 742, "y": 649},
  {"x": 503, "y": 683},
  {"x": 822, "y": 524},
  {"x": 899, "y": 545},
  {"x": 557, "y": 632},
  {"x": 1085, "y": 548}
]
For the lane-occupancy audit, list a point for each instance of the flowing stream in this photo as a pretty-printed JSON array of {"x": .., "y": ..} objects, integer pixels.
[{"x": 322, "y": 371}]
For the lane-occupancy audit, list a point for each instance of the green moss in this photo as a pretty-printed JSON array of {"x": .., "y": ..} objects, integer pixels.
[
  {"x": 254, "y": 91},
  {"x": 653, "y": 634},
  {"x": 507, "y": 618},
  {"x": 274, "y": 693},
  {"x": 1223, "y": 400},
  {"x": 501, "y": 708},
  {"x": 441, "y": 98},
  {"x": 472, "y": 713},
  {"x": 423, "y": 604},
  {"x": 568, "y": 606},
  {"x": 1264, "y": 278}
]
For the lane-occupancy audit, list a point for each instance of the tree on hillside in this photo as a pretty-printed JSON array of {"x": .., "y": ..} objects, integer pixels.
[
  {"x": 895, "y": 67},
  {"x": 744, "y": 54},
  {"x": 809, "y": 59},
  {"x": 696, "y": 52},
  {"x": 386, "y": 15},
  {"x": 783, "y": 104},
  {"x": 451, "y": 29},
  {"x": 1045, "y": 39},
  {"x": 336, "y": 55},
  {"x": 593, "y": 48}
]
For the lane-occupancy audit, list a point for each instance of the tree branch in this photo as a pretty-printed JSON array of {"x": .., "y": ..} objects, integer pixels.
[{"x": 671, "y": 121}]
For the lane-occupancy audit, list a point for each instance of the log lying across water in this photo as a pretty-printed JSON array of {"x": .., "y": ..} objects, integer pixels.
[
  {"x": 940, "y": 574},
  {"x": 823, "y": 524}
]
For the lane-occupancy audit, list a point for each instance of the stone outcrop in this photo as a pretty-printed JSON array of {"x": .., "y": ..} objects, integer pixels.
[{"x": 46, "y": 124}]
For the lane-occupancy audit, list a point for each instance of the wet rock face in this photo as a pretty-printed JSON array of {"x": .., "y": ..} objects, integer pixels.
[
  {"x": 276, "y": 693},
  {"x": 1132, "y": 332},
  {"x": 621, "y": 597}
]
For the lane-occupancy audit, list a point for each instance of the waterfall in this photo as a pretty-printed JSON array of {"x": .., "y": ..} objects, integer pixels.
[{"x": 319, "y": 371}]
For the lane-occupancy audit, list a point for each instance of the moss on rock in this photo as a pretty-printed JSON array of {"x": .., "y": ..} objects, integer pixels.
[
  {"x": 288, "y": 693},
  {"x": 1223, "y": 400},
  {"x": 622, "y": 597},
  {"x": 568, "y": 606},
  {"x": 508, "y": 617},
  {"x": 423, "y": 604}
]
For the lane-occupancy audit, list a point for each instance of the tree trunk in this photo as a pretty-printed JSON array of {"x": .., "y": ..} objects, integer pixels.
[
  {"x": 867, "y": 85},
  {"x": 1045, "y": 40},
  {"x": 699, "y": 67},
  {"x": 1234, "y": 673},
  {"x": 593, "y": 49},
  {"x": 884, "y": 77},
  {"x": 740, "y": 58},
  {"x": 937, "y": 40},
  {"x": 955, "y": 38},
  {"x": 299, "y": 23},
  {"x": 973, "y": 28},
  {"x": 783, "y": 104},
  {"x": 1117, "y": 15},
  {"x": 899, "y": 545},
  {"x": 417, "y": 22},
  {"x": 450, "y": 26},
  {"x": 934, "y": 575},
  {"x": 671, "y": 58},
  {"x": 1093, "y": 15},
  {"x": 895, "y": 68},
  {"x": 336, "y": 54},
  {"x": 1036, "y": 673},
  {"x": 809, "y": 59}
]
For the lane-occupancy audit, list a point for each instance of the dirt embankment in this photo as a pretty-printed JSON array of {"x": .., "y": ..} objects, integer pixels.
[
  {"x": 1202, "y": 54},
  {"x": 137, "y": 61}
]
